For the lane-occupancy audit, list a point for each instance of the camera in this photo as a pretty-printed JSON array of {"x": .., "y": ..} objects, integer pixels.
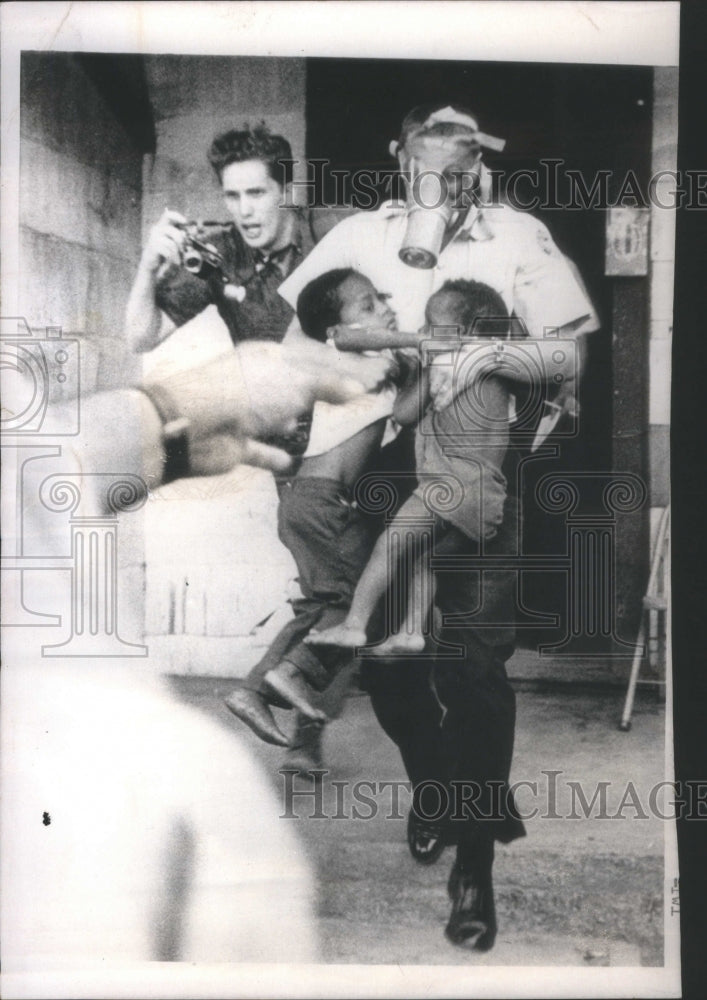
[
  {"x": 203, "y": 260},
  {"x": 201, "y": 257},
  {"x": 39, "y": 369}
]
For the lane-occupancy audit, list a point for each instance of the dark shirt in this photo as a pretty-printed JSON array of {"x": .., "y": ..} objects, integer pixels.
[{"x": 263, "y": 314}]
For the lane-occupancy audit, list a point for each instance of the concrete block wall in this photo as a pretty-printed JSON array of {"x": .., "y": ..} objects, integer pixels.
[
  {"x": 218, "y": 580},
  {"x": 80, "y": 214},
  {"x": 196, "y": 97},
  {"x": 80, "y": 229}
]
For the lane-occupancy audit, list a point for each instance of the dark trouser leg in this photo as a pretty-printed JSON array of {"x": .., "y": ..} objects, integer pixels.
[
  {"x": 478, "y": 733},
  {"x": 466, "y": 746},
  {"x": 479, "y": 728},
  {"x": 479, "y": 724},
  {"x": 330, "y": 543},
  {"x": 467, "y": 741},
  {"x": 408, "y": 711}
]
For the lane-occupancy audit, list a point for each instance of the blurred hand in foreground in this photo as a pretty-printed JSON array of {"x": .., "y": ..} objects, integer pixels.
[{"x": 258, "y": 390}]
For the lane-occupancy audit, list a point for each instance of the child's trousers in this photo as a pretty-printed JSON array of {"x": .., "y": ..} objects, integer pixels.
[{"x": 331, "y": 543}]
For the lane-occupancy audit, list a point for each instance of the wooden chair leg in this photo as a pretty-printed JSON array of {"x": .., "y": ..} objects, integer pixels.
[{"x": 625, "y": 723}]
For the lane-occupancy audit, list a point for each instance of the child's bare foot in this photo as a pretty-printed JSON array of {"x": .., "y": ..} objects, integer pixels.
[
  {"x": 287, "y": 681},
  {"x": 399, "y": 644},
  {"x": 344, "y": 635}
]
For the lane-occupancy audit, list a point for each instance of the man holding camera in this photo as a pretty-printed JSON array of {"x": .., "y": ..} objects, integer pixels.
[{"x": 238, "y": 266}]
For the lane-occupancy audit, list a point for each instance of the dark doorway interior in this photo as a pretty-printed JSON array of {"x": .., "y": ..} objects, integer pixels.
[{"x": 591, "y": 118}]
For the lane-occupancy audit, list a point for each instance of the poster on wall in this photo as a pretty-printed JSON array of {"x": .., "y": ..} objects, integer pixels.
[{"x": 336, "y": 350}]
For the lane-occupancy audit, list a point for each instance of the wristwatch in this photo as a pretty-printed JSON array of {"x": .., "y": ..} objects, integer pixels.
[{"x": 175, "y": 432}]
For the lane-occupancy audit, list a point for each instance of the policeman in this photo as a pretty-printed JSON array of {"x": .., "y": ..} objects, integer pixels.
[{"x": 454, "y": 720}]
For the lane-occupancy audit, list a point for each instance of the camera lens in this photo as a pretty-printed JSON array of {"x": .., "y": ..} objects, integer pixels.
[{"x": 193, "y": 260}]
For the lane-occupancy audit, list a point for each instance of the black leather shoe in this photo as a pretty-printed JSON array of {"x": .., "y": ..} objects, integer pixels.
[
  {"x": 472, "y": 922},
  {"x": 426, "y": 840}
]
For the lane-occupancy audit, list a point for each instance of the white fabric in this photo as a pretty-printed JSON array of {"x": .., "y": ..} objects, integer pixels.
[
  {"x": 334, "y": 424},
  {"x": 509, "y": 250}
]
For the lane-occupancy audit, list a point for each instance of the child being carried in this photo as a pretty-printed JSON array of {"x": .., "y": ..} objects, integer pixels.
[
  {"x": 459, "y": 452},
  {"x": 317, "y": 518}
]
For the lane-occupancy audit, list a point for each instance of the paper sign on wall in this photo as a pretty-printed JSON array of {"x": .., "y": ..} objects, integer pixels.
[{"x": 626, "y": 242}]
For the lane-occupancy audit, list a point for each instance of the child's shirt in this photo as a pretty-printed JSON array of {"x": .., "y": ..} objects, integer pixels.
[
  {"x": 475, "y": 423},
  {"x": 459, "y": 452}
]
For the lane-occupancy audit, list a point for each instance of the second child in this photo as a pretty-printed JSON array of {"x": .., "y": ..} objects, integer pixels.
[{"x": 459, "y": 452}]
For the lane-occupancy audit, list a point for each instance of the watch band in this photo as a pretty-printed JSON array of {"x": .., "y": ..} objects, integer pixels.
[{"x": 175, "y": 432}]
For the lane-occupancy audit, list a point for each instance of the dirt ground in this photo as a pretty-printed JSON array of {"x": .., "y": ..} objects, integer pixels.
[{"x": 584, "y": 887}]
